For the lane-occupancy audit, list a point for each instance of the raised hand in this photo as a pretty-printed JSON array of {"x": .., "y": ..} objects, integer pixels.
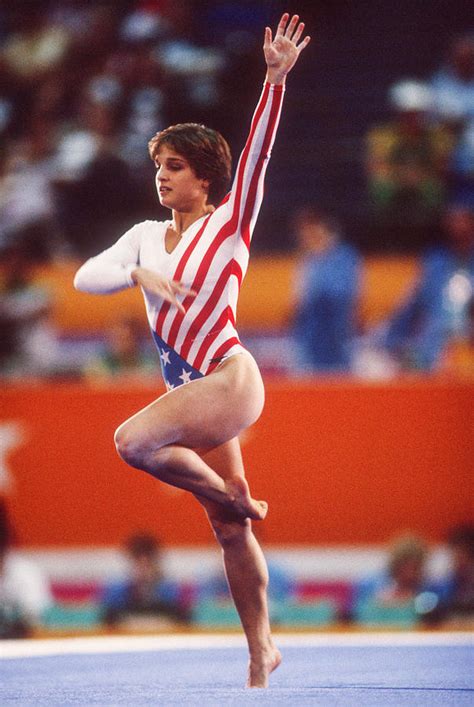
[{"x": 282, "y": 52}]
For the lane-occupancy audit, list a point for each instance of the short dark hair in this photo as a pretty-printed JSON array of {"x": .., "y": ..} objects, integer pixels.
[
  {"x": 141, "y": 544},
  {"x": 314, "y": 214},
  {"x": 206, "y": 151}
]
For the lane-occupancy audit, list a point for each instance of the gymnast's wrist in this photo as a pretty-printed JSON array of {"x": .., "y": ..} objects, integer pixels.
[{"x": 276, "y": 78}]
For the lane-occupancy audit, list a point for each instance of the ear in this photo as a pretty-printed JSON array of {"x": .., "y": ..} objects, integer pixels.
[{"x": 205, "y": 184}]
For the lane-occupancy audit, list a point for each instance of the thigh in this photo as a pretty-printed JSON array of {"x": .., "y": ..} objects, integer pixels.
[{"x": 205, "y": 413}]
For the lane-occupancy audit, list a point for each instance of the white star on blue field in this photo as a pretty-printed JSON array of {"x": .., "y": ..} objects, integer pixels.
[{"x": 176, "y": 371}]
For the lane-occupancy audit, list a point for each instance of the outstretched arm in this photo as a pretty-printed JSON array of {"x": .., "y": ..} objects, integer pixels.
[
  {"x": 282, "y": 52},
  {"x": 243, "y": 203}
]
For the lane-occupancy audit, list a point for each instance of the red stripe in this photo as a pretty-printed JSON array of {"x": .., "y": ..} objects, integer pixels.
[
  {"x": 227, "y": 230},
  {"x": 224, "y": 317},
  {"x": 209, "y": 307},
  {"x": 252, "y": 191},
  {"x": 206, "y": 311},
  {"x": 237, "y": 271},
  {"x": 221, "y": 351},
  {"x": 177, "y": 276}
]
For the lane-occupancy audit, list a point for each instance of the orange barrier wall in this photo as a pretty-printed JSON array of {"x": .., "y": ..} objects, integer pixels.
[
  {"x": 266, "y": 300},
  {"x": 339, "y": 462}
]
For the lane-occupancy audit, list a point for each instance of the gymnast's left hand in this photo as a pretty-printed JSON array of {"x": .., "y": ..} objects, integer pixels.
[
  {"x": 282, "y": 52},
  {"x": 156, "y": 284}
]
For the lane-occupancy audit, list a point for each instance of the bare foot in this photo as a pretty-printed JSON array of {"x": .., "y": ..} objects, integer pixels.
[
  {"x": 241, "y": 502},
  {"x": 260, "y": 669}
]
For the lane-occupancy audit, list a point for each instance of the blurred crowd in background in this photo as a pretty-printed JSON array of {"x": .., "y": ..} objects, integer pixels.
[
  {"x": 83, "y": 86},
  {"x": 404, "y": 593}
]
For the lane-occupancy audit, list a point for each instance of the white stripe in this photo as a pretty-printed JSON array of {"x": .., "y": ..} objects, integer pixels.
[
  {"x": 221, "y": 258},
  {"x": 30, "y": 648},
  {"x": 189, "y": 274}
]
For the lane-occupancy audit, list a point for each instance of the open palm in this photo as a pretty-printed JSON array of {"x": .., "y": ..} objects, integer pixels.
[{"x": 282, "y": 52}]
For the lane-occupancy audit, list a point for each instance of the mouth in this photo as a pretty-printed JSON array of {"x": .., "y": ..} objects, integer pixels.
[{"x": 163, "y": 190}]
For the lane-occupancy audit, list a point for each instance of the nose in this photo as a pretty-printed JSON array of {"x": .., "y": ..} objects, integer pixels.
[{"x": 161, "y": 175}]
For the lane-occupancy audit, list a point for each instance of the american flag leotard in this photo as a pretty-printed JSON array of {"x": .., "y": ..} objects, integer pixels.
[{"x": 211, "y": 258}]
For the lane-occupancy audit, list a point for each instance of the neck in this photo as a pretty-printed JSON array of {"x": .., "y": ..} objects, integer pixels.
[{"x": 183, "y": 220}]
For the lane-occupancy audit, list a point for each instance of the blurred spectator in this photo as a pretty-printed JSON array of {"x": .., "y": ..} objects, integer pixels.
[
  {"x": 83, "y": 87},
  {"x": 457, "y": 599},
  {"x": 327, "y": 287},
  {"x": 281, "y": 586},
  {"x": 453, "y": 106},
  {"x": 31, "y": 55},
  {"x": 24, "y": 591},
  {"x": 145, "y": 595},
  {"x": 96, "y": 195},
  {"x": 453, "y": 85},
  {"x": 438, "y": 308},
  {"x": 406, "y": 163},
  {"x": 125, "y": 355},
  {"x": 28, "y": 168},
  {"x": 403, "y": 579},
  {"x": 458, "y": 355},
  {"x": 29, "y": 343}
]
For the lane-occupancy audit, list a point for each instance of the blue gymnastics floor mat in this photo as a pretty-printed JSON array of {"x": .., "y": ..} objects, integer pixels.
[{"x": 318, "y": 673}]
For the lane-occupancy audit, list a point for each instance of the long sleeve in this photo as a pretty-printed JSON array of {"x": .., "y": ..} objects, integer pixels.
[
  {"x": 110, "y": 271},
  {"x": 246, "y": 194}
]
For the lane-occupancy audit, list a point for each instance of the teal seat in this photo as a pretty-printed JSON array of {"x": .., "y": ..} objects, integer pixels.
[
  {"x": 373, "y": 613},
  {"x": 71, "y": 616},
  {"x": 308, "y": 614},
  {"x": 215, "y": 614}
]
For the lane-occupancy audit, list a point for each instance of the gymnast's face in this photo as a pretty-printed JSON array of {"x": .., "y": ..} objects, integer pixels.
[{"x": 176, "y": 183}]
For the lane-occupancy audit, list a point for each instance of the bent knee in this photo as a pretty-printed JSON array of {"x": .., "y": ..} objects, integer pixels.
[
  {"x": 138, "y": 450},
  {"x": 130, "y": 447}
]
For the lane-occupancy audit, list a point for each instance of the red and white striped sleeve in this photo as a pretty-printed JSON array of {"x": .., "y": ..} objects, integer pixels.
[{"x": 245, "y": 197}]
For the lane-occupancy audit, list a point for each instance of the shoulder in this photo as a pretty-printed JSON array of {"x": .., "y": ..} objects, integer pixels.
[
  {"x": 348, "y": 252},
  {"x": 143, "y": 231},
  {"x": 145, "y": 227}
]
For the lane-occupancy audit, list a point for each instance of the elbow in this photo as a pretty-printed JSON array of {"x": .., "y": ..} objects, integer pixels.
[
  {"x": 77, "y": 281},
  {"x": 80, "y": 280}
]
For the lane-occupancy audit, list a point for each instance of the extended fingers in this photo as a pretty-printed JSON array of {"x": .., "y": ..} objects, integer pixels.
[
  {"x": 291, "y": 27},
  {"x": 180, "y": 289},
  {"x": 176, "y": 288},
  {"x": 291, "y": 30},
  {"x": 303, "y": 44},
  {"x": 298, "y": 33},
  {"x": 282, "y": 24},
  {"x": 268, "y": 37},
  {"x": 170, "y": 295}
]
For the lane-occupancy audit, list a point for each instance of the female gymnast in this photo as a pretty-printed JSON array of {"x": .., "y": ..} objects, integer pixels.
[{"x": 189, "y": 269}]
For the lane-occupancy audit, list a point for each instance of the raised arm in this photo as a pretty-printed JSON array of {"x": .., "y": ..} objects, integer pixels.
[{"x": 281, "y": 54}]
